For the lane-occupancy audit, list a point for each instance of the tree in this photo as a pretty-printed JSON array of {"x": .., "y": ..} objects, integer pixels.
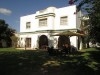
[
  {"x": 14, "y": 41},
  {"x": 95, "y": 20},
  {"x": 5, "y": 33},
  {"x": 92, "y": 8}
]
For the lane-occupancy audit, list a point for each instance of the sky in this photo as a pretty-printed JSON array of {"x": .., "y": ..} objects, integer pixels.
[{"x": 12, "y": 10}]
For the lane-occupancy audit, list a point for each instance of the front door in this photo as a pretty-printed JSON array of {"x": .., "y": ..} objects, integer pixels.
[{"x": 28, "y": 42}]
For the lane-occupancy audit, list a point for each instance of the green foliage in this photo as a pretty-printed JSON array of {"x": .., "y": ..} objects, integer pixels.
[
  {"x": 5, "y": 32},
  {"x": 92, "y": 8},
  {"x": 95, "y": 20},
  {"x": 37, "y": 62}
]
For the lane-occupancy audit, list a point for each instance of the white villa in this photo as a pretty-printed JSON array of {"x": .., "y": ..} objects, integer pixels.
[{"x": 37, "y": 30}]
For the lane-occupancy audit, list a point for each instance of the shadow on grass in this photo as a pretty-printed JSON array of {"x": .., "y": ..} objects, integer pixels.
[{"x": 40, "y": 63}]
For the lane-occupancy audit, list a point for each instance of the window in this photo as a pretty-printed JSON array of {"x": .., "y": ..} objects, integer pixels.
[
  {"x": 21, "y": 38},
  {"x": 63, "y": 20},
  {"x": 43, "y": 22},
  {"x": 28, "y": 42},
  {"x": 28, "y": 25}
]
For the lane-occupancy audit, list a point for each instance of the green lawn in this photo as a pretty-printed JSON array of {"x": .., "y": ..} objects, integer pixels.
[{"x": 29, "y": 62}]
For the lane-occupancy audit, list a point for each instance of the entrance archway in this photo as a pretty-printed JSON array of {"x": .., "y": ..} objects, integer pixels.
[
  {"x": 63, "y": 40},
  {"x": 43, "y": 41}
]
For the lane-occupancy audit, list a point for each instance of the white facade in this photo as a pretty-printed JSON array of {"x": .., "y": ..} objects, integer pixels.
[{"x": 47, "y": 22}]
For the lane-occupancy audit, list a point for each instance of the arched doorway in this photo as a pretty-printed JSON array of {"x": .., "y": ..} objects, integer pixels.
[
  {"x": 43, "y": 41},
  {"x": 63, "y": 40}
]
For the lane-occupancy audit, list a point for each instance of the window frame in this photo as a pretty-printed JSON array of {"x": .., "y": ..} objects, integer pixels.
[
  {"x": 43, "y": 22},
  {"x": 28, "y": 25},
  {"x": 64, "y": 20}
]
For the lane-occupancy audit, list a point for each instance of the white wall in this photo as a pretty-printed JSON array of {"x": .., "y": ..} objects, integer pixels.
[
  {"x": 53, "y": 22},
  {"x": 73, "y": 40},
  {"x": 29, "y": 18},
  {"x": 66, "y": 11},
  {"x": 78, "y": 19}
]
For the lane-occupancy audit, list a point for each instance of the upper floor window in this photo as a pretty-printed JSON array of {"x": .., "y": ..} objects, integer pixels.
[
  {"x": 64, "y": 20},
  {"x": 43, "y": 22},
  {"x": 28, "y": 25}
]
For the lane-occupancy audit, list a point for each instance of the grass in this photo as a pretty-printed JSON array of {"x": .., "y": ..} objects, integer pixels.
[{"x": 29, "y": 62}]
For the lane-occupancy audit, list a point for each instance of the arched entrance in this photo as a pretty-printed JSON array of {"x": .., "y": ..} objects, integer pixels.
[
  {"x": 63, "y": 40},
  {"x": 43, "y": 41}
]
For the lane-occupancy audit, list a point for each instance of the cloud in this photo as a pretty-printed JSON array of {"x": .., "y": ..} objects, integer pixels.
[{"x": 5, "y": 11}]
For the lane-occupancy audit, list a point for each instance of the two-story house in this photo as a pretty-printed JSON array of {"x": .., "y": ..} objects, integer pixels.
[{"x": 36, "y": 30}]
